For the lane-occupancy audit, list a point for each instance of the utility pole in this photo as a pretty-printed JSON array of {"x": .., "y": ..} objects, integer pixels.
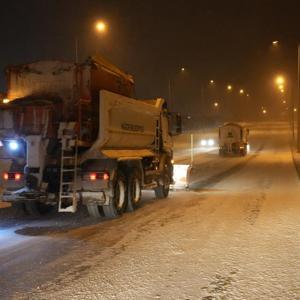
[
  {"x": 298, "y": 99},
  {"x": 170, "y": 93},
  {"x": 76, "y": 49}
]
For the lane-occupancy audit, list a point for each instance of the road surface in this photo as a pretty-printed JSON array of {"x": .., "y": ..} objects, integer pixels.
[{"x": 234, "y": 235}]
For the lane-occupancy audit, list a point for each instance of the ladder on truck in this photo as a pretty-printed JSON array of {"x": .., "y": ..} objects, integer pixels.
[{"x": 68, "y": 174}]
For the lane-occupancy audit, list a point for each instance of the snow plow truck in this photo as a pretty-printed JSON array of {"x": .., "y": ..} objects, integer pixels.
[
  {"x": 233, "y": 139},
  {"x": 73, "y": 134}
]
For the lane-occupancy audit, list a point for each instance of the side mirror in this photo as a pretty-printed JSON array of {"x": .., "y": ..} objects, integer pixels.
[{"x": 175, "y": 124}]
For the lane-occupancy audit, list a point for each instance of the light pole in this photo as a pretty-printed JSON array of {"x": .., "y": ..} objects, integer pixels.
[
  {"x": 100, "y": 26},
  {"x": 170, "y": 90},
  {"x": 298, "y": 96},
  {"x": 275, "y": 44}
]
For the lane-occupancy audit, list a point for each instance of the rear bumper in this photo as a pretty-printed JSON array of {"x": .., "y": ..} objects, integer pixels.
[{"x": 24, "y": 194}]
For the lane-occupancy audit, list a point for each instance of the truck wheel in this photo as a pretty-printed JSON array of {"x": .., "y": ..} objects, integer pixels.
[
  {"x": 36, "y": 208},
  {"x": 117, "y": 203},
  {"x": 94, "y": 210},
  {"x": 162, "y": 191},
  {"x": 134, "y": 191}
]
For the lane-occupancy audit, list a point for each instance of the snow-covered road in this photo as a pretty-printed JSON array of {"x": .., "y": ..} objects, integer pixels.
[{"x": 236, "y": 235}]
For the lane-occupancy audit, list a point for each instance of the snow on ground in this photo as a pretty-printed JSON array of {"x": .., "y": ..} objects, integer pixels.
[{"x": 236, "y": 235}]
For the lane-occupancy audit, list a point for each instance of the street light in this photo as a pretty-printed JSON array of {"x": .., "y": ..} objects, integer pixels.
[
  {"x": 275, "y": 43},
  {"x": 211, "y": 82},
  {"x": 216, "y": 104},
  {"x": 279, "y": 80},
  {"x": 229, "y": 87},
  {"x": 170, "y": 88},
  {"x": 241, "y": 91},
  {"x": 100, "y": 26}
]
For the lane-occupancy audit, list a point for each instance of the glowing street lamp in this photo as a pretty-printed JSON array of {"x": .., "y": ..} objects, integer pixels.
[
  {"x": 211, "y": 82},
  {"x": 229, "y": 87},
  {"x": 5, "y": 101},
  {"x": 100, "y": 26},
  {"x": 216, "y": 104},
  {"x": 279, "y": 80},
  {"x": 241, "y": 91},
  {"x": 170, "y": 86},
  {"x": 264, "y": 111},
  {"x": 275, "y": 43}
]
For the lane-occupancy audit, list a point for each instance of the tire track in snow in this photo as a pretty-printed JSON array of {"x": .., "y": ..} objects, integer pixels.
[
  {"x": 219, "y": 176},
  {"x": 254, "y": 207}
]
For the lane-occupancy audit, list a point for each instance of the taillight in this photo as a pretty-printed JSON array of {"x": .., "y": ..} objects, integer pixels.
[
  {"x": 17, "y": 176},
  {"x": 98, "y": 176},
  {"x": 93, "y": 176},
  {"x": 105, "y": 176},
  {"x": 12, "y": 176},
  {"x": 5, "y": 176}
]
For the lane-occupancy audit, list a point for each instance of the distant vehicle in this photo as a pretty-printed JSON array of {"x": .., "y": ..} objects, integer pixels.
[{"x": 233, "y": 139}]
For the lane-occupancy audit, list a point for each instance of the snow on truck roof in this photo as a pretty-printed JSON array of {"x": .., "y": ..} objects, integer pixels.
[
  {"x": 99, "y": 61},
  {"x": 59, "y": 65},
  {"x": 232, "y": 124}
]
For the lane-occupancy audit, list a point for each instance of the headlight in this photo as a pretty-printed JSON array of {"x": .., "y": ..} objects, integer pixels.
[
  {"x": 210, "y": 142},
  {"x": 207, "y": 143},
  {"x": 13, "y": 145},
  {"x": 203, "y": 142}
]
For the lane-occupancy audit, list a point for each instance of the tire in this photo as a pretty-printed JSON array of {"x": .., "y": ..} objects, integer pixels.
[
  {"x": 94, "y": 210},
  {"x": 162, "y": 192},
  {"x": 36, "y": 208},
  {"x": 118, "y": 202},
  {"x": 134, "y": 190}
]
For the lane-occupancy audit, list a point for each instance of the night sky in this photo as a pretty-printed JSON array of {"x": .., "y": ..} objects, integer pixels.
[{"x": 227, "y": 41}]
